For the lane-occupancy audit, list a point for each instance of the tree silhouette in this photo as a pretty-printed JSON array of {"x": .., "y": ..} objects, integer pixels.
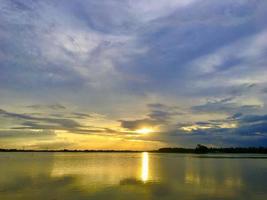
[{"x": 201, "y": 149}]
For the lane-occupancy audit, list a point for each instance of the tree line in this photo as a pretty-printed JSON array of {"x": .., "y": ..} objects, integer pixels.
[{"x": 200, "y": 149}]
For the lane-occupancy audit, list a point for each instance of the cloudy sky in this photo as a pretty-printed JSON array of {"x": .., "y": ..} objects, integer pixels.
[{"x": 132, "y": 74}]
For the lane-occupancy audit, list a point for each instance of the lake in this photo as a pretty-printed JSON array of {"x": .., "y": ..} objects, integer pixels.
[{"x": 78, "y": 176}]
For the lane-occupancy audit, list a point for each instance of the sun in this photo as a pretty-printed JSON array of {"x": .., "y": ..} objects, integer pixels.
[{"x": 144, "y": 130}]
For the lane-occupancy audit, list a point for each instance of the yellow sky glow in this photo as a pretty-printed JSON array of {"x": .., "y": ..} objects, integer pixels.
[{"x": 144, "y": 130}]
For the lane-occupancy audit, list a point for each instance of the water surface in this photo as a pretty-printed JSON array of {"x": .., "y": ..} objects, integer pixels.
[{"x": 79, "y": 176}]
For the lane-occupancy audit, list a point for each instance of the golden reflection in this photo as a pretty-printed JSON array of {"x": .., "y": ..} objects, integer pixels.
[{"x": 145, "y": 166}]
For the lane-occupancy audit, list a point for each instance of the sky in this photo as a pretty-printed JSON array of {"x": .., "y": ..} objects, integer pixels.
[{"x": 132, "y": 74}]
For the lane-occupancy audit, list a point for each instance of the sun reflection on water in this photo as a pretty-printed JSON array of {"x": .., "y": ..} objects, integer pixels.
[{"x": 145, "y": 166}]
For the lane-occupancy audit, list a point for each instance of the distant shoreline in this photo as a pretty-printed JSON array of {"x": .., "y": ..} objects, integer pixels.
[{"x": 200, "y": 149}]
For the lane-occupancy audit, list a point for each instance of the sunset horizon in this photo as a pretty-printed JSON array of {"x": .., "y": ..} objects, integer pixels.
[{"x": 133, "y": 99}]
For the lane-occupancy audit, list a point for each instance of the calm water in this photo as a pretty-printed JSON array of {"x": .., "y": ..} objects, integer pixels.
[{"x": 131, "y": 176}]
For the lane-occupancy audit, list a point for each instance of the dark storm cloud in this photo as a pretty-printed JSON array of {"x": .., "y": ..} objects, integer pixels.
[
  {"x": 39, "y": 125},
  {"x": 221, "y": 90},
  {"x": 52, "y": 106},
  {"x": 160, "y": 106},
  {"x": 51, "y": 145},
  {"x": 163, "y": 112},
  {"x": 226, "y": 105},
  {"x": 81, "y": 115},
  {"x": 26, "y": 134},
  {"x": 254, "y": 118},
  {"x": 139, "y": 123},
  {"x": 73, "y": 115},
  {"x": 251, "y": 130},
  {"x": 159, "y": 114},
  {"x": 27, "y": 122},
  {"x": 246, "y": 125},
  {"x": 264, "y": 90},
  {"x": 32, "y": 120}
]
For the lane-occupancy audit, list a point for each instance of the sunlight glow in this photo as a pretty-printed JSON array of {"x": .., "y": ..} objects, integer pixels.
[
  {"x": 194, "y": 128},
  {"x": 201, "y": 127},
  {"x": 144, "y": 130},
  {"x": 145, "y": 166}
]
